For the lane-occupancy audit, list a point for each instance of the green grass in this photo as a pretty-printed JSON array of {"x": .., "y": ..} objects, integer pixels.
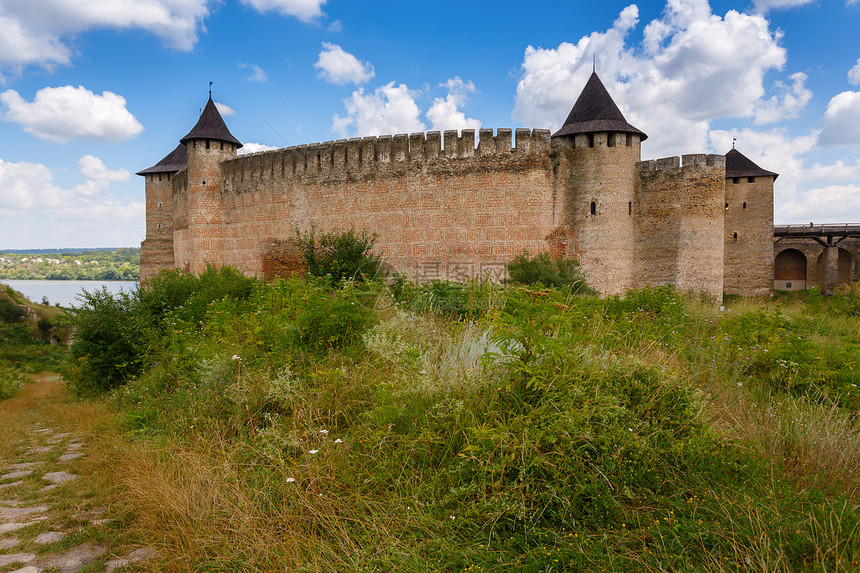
[{"x": 474, "y": 427}]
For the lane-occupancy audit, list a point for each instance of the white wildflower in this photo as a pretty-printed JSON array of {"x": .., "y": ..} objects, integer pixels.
[
  {"x": 291, "y": 480},
  {"x": 313, "y": 451},
  {"x": 338, "y": 441}
]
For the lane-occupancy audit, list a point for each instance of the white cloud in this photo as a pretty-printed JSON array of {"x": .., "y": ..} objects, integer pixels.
[
  {"x": 388, "y": 109},
  {"x": 305, "y": 10},
  {"x": 224, "y": 109},
  {"x": 835, "y": 172},
  {"x": 764, "y": 5},
  {"x": 254, "y": 148},
  {"x": 340, "y": 67},
  {"x": 94, "y": 169},
  {"x": 785, "y": 105},
  {"x": 29, "y": 189},
  {"x": 854, "y": 74},
  {"x": 258, "y": 74},
  {"x": 840, "y": 125},
  {"x": 34, "y": 32},
  {"x": 691, "y": 68},
  {"x": 66, "y": 113},
  {"x": 445, "y": 113},
  {"x": 831, "y": 204}
]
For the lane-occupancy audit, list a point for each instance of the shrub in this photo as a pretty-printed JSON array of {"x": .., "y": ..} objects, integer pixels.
[
  {"x": 110, "y": 342},
  {"x": 9, "y": 311},
  {"x": 10, "y": 381},
  {"x": 339, "y": 255},
  {"x": 548, "y": 271}
]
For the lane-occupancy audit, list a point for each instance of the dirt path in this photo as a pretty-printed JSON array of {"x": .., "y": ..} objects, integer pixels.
[{"x": 49, "y": 518}]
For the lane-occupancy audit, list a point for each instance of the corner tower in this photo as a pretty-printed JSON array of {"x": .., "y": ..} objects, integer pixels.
[
  {"x": 594, "y": 165},
  {"x": 748, "y": 251},
  {"x": 200, "y": 239},
  {"x": 156, "y": 251}
]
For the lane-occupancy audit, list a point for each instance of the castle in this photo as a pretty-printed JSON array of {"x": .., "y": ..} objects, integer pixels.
[{"x": 446, "y": 206}]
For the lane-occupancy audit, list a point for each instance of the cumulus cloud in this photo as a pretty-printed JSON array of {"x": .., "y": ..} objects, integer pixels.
[
  {"x": 388, "y": 109},
  {"x": 785, "y": 105},
  {"x": 691, "y": 68},
  {"x": 305, "y": 10},
  {"x": 840, "y": 126},
  {"x": 34, "y": 32},
  {"x": 254, "y": 148},
  {"x": 94, "y": 169},
  {"x": 763, "y": 6},
  {"x": 30, "y": 187},
  {"x": 854, "y": 74},
  {"x": 258, "y": 74},
  {"x": 840, "y": 171},
  {"x": 340, "y": 67},
  {"x": 66, "y": 113},
  {"x": 445, "y": 113},
  {"x": 224, "y": 109},
  {"x": 38, "y": 212},
  {"x": 830, "y": 204}
]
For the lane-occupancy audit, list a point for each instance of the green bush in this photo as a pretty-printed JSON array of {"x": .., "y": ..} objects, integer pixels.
[
  {"x": 110, "y": 341},
  {"x": 549, "y": 271},
  {"x": 9, "y": 311},
  {"x": 339, "y": 255},
  {"x": 10, "y": 380}
]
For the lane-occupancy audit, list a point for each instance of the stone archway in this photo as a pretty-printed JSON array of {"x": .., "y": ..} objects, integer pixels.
[{"x": 789, "y": 270}]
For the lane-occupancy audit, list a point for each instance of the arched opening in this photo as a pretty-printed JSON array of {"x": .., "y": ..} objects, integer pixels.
[
  {"x": 789, "y": 270},
  {"x": 593, "y": 208}
]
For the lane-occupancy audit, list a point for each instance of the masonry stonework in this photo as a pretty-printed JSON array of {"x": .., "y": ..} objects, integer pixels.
[{"x": 460, "y": 205}]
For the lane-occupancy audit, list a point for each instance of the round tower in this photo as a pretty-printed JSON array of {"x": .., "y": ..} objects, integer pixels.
[
  {"x": 156, "y": 251},
  {"x": 208, "y": 144},
  {"x": 594, "y": 162}
]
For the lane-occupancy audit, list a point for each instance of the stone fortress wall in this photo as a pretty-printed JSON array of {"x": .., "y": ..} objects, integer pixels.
[
  {"x": 461, "y": 205},
  {"x": 449, "y": 212}
]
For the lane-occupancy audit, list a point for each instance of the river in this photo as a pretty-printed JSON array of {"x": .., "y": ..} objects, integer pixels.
[{"x": 65, "y": 292}]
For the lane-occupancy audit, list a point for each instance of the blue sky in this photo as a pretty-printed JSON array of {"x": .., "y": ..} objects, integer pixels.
[{"x": 92, "y": 91}]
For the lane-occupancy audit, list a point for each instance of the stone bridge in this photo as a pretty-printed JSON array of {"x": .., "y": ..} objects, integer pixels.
[{"x": 811, "y": 255}]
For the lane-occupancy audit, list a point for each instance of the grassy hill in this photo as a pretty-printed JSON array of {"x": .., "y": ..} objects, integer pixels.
[{"x": 303, "y": 426}]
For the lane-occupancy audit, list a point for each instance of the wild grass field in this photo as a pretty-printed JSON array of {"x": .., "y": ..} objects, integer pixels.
[{"x": 301, "y": 425}]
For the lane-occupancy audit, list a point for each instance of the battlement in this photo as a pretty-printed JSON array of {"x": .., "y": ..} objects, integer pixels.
[
  {"x": 385, "y": 152},
  {"x": 667, "y": 164}
]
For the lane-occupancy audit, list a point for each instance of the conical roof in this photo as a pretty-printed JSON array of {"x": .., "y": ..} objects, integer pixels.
[
  {"x": 176, "y": 160},
  {"x": 595, "y": 111},
  {"x": 739, "y": 165},
  {"x": 211, "y": 126}
]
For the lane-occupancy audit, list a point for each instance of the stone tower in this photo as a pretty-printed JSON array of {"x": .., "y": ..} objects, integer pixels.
[
  {"x": 594, "y": 166},
  {"x": 156, "y": 251},
  {"x": 199, "y": 238},
  {"x": 749, "y": 227}
]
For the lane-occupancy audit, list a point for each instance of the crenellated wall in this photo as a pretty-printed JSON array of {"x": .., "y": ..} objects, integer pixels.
[
  {"x": 679, "y": 222},
  {"x": 449, "y": 212}
]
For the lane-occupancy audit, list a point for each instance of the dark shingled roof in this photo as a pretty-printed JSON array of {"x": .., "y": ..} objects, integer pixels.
[
  {"x": 738, "y": 165},
  {"x": 176, "y": 160},
  {"x": 595, "y": 111},
  {"x": 211, "y": 126}
]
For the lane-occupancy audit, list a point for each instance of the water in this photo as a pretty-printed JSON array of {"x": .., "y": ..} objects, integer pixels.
[{"x": 65, "y": 292}]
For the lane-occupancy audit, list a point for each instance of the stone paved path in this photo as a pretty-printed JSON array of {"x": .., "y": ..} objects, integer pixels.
[{"x": 38, "y": 531}]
